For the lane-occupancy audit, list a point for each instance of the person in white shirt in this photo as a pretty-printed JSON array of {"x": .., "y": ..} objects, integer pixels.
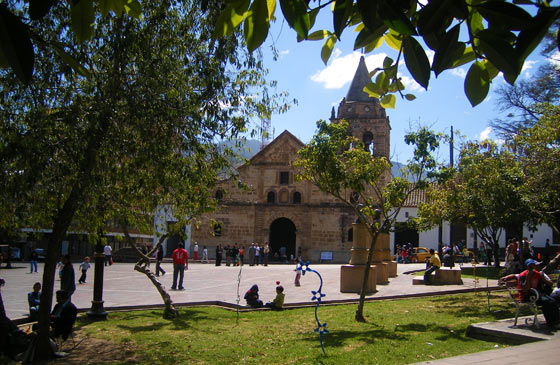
[{"x": 108, "y": 251}]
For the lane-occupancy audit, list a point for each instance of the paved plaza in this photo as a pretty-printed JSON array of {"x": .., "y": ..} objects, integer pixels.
[{"x": 205, "y": 283}]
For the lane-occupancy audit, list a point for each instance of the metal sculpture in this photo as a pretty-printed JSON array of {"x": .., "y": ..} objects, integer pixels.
[{"x": 318, "y": 297}]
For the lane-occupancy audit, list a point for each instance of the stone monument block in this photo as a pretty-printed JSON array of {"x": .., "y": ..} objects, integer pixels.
[{"x": 351, "y": 277}]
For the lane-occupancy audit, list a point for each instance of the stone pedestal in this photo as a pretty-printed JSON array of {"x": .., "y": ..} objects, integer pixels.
[
  {"x": 392, "y": 269},
  {"x": 442, "y": 277},
  {"x": 382, "y": 269},
  {"x": 352, "y": 276}
]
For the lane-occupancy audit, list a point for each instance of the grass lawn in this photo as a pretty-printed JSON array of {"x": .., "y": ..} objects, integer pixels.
[{"x": 397, "y": 332}]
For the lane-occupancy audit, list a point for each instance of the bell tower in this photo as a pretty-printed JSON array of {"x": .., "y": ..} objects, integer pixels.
[{"x": 366, "y": 118}]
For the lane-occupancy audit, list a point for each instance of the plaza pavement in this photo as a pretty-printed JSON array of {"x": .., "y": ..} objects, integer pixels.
[
  {"x": 206, "y": 282},
  {"x": 124, "y": 287}
]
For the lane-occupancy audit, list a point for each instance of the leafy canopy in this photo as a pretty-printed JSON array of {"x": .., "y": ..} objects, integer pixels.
[{"x": 492, "y": 36}]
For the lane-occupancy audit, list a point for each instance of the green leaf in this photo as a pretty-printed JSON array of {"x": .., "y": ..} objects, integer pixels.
[
  {"x": 230, "y": 18},
  {"x": 435, "y": 17},
  {"x": 529, "y": 38},
  {"x": 368, "y": 11},
  {"x": 476, "y": 24},
  {"x": 504, "y": 14},
  {"x": 416, "y": 61},
  {"x": 39, "y": 8},
  {"x": 372, "y": 89},
  {"x": 295, "y": 13},
  {"x": 328, "y": 48},
  {"x": 409, "y": 97},
  {"x": 16, "y": 45},
  {"x": 318, "y": 35},
  {"x": 477, "y": 83},
  {"x": 395, "y": 19},
  {"x": 468, "y": 56},
  {"x": 69, "y": 59},
  {"x": 341, "y": 13},
  {"x": 373, "y": 45},
  {"x": 392, "y": 41},
  {"x": 499, "y": 52},
  {"x": 388, "y": 101},
  {"x": 82, "y": 15},
  {"x": 104, "y": 6},
  {"x": 256, "y": 24},
  {"x": 133, "y": 8},
  {"x": 449, "y": 51},
  {"x": 491, "y": 69},
  {"x": 367, "y": 37},
  {"x": 3, "y": 60}
]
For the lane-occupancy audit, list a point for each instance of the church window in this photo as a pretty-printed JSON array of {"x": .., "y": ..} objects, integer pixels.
[
  {"x": 367, "y": 138},
  {"x": 271, "y": 197},
  {"x": 351, "y": 235},
  {"x": 217, "y": 229},
  {"x": 219, "y": 195},
  {"x": 284, "y": 177},
  {"x": 297, "y": 197},
  {"x": 354, "y": 196}
]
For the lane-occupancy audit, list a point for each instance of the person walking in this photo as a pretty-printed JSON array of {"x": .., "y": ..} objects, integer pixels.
[
  {"x": 33, "y": 260},
  {"x": 84, "y": 266},
  {"x": 159, "y": 258},
  {"x": 67, "y": 277},
  {"x": 108, "y": 251},
  {"x": 180, "y": 263}
]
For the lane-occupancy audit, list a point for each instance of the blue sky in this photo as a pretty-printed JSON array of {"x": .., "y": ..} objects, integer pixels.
[{"x": 300, "y": 71}]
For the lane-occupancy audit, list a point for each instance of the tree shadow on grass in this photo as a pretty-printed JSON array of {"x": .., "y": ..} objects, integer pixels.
[
  {"x": 459, "y": 307},
  {"x": 138, "y": 320},
  {"x": 340, "y": 338},
  {"x": 493, "y": 273}
]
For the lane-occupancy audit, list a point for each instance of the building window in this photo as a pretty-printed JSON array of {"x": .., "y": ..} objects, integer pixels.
[
  {"x": 367, "y": 138},
  {"x": 297, "y": 197},
  {"x": 284, "y": 177},
  {"x": 354, "y": 196},
  {"x": 270, "y": 197},
  {"x": 219, "y": 195},
  {"x": 351, "y": 235},
  {"x": 217, "y": 229}
]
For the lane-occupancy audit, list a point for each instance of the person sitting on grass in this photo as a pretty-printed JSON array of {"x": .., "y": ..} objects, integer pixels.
[
  {"x": 278, "y": 302},
  {"x": 433, "y": 265},
  {"x": 252, "y": 297},
  {"x": 34, "y": 298}
]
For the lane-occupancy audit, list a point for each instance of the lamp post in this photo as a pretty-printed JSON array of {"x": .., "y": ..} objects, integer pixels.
[{"x": 97, "y": 311}]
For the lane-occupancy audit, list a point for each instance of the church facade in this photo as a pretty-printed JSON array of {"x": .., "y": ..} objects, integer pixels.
[{"x": 285, "y": 213}]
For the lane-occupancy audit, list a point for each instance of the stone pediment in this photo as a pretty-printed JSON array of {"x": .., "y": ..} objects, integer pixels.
[{"x": 281, "y": 151}]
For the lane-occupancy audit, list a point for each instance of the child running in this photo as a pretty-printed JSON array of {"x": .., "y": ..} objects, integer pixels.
[{"x": 84, "y": 266}]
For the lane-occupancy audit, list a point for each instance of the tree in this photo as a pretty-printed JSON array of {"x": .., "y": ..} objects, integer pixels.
[
  {"x": 524, "y": 100},
  {"x": 492, "y": 36},
  {"x": 140, "y": 132},
  {"x": 339, "y": 165},
  {"x": 538, "y": 149},
  {"x": 483, "y": 192}
]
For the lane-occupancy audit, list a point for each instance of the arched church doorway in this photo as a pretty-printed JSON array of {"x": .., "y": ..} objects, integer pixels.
[{"x": 282, "y": 239}]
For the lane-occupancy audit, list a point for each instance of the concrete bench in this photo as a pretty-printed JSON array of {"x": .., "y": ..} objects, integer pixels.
[{"x": 443, "y": 276}]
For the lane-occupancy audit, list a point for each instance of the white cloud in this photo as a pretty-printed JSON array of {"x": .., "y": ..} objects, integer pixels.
[
  {"x": 527, "y": 65},
  {"x": 341, "y": 69},
  {"x": 459, "y": 72},
  {"x": 410, "y": 84},
  {"x": 485, "y": 134},
  {"x": 284, "y": 53}
]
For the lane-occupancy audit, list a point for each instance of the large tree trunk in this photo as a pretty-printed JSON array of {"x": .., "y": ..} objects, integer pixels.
[
  {"x": 61, "y": 222},
  {"x": 143, "y": 266}
]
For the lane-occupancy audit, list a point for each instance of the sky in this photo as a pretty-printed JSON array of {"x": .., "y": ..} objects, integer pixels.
[{"x": 300, "y": 71}]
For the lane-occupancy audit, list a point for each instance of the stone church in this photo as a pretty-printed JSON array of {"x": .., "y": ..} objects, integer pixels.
[{"x": 285, "y": 213}]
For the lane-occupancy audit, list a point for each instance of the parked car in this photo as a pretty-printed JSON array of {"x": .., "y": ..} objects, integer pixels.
[{"x": 420, "y": 254}]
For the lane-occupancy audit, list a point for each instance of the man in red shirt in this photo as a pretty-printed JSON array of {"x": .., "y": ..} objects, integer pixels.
[
  {"x": 180, "y": 263},
  {"x": 534, "y": 279}
]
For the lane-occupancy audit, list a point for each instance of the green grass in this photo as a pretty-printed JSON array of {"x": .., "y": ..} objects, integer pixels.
[{"x": 397, "y": 332}]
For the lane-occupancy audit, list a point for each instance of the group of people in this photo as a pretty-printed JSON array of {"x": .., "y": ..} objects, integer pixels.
[
  {"x": 252, "y": 298},
  {"x": 518, "y": 252},
  {"x": 404, "y": 253},
  {"x": 257, "y": 254},
  {"x": 533, "y": 279}
]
